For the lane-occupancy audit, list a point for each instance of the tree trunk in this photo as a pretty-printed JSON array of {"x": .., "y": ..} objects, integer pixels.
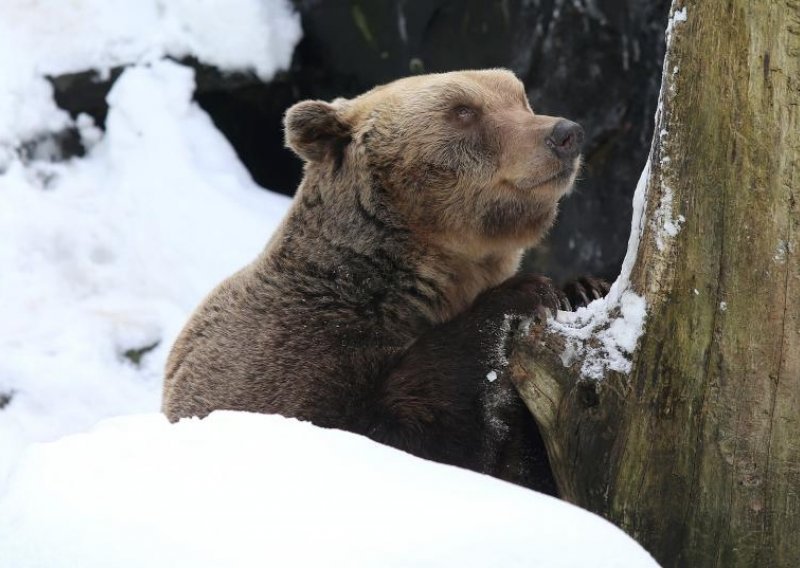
[{"x": 692, "y": 445}]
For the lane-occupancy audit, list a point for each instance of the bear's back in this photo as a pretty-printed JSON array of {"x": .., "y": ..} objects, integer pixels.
[{"x": 261, "y": 342}]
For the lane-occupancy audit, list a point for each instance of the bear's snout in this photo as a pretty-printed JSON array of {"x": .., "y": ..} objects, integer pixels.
[{"x": 566, "y": 140}]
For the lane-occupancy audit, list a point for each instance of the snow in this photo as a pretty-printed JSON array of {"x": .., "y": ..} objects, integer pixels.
[
  {"x": 491, "y": 376},
  {"x": 603, "y": 335},
  {"x": 677, "y": 17},
  {"x": 108, "y": 254},
  {"x": 239, "y": 489},
  {"x": 782, "y": 251},
  {"x": 637, "y": 230},
  {"x": 112, "y": 252},
  {"x": 41, "y": 38},
  {"x": 667, "y": 224}
]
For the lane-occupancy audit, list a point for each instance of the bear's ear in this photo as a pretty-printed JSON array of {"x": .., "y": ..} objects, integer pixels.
[{"x": 314, "y": 130}]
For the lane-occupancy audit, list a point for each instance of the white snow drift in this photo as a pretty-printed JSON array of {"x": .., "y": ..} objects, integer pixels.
[
  {"x": 240, "y": 489},
  {"x": 41, "y": 38},
  {"x": 110, "y": 253}
]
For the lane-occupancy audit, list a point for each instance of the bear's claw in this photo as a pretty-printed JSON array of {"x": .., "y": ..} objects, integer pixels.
[{"x": 582, "y": 291}]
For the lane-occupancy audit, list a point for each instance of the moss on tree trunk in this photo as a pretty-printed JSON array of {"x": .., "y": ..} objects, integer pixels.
[{"x": 696, "y": 452}]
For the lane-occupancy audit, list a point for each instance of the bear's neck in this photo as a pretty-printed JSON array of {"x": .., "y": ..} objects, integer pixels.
[{"x": 351, "y": 238}]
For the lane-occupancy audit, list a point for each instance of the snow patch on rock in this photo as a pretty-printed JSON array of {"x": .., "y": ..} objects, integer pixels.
[
  {"x": 53, "y": 37},
  {"x": 104, "y": 257}
]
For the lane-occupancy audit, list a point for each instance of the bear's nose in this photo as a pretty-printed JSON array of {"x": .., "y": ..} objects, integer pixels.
[{"x": 566, "y": 139}]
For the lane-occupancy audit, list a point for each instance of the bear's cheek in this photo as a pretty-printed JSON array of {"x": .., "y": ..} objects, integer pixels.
[{"x": 527, "y": 158}]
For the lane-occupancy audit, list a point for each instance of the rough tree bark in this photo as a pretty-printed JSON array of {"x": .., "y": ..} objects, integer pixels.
[{"x": 695, "y": 451}]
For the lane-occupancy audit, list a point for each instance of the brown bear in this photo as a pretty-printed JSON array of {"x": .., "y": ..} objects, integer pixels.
[{"x": 383, "y": 303}]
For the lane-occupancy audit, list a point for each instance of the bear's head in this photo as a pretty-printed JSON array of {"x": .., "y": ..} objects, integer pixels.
[{"x": 460, "y": 157}]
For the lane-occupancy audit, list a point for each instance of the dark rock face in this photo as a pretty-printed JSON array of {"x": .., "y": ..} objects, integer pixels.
[
  {"x": 600, "y": 66},
  {"x": 597, "y": 62}
]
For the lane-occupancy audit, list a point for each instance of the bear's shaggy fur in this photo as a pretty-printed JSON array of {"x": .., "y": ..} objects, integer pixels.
[{"x": 386, "y": 296}]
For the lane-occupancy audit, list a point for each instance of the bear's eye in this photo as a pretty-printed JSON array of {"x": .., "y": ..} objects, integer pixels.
[{"x": 465, "y": 114}]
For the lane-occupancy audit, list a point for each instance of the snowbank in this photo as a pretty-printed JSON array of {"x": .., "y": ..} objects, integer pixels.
[
  {"x": 108, "y": 255},
  {"x": 240, "y": 489},
  {"x": 52, "y": 37},
  {"x": 104, "y": 257}
]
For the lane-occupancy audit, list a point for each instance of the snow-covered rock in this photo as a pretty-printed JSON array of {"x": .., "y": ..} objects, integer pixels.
[
  {"x": 109, "y": 253},
  {"x": 41, "y": 38},
  {"x": 239, "y": 489}
]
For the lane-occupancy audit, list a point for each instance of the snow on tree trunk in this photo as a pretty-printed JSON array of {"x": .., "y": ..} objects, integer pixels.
[{"x": 688, "y": 436}]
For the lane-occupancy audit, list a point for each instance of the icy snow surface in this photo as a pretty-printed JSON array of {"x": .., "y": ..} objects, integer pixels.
[{"x": 239, "y": 489}]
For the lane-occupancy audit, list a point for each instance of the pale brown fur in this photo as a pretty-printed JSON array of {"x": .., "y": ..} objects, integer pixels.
[{"x": 410, "y": 208}]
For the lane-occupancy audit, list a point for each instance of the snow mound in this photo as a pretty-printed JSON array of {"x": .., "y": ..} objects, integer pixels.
[
  {"x": 65, "y": 37},
  {"x": 104, "y": 257},
  {"x": 239, "y": 489},
  {"x": 52, "y": 37}
]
